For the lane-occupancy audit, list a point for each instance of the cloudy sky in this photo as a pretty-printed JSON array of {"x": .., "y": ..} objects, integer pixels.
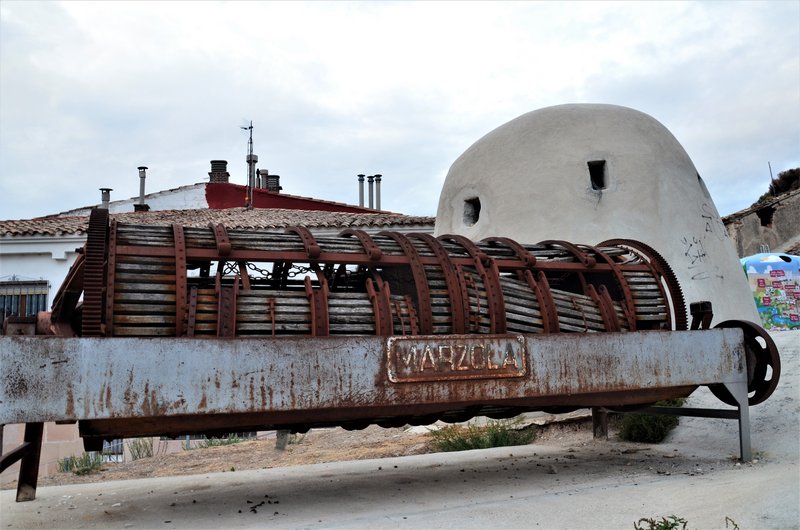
[{"x": 89, "y": 91}]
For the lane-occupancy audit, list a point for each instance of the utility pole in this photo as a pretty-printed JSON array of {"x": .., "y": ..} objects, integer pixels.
[{"x": 251, "y": 167}]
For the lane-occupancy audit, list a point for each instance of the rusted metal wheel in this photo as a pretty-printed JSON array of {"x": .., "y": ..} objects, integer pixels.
[{"x": 763, "y": 364}]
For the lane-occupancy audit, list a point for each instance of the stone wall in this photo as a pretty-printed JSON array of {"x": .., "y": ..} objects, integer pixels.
[
  {"x": 58, "y": 441},
  {"x": 775, "y": 223}
]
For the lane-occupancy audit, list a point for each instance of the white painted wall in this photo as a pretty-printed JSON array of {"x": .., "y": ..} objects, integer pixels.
[
  {"x": 184, "y": 198},
  {"x": 532, "y": 180},
  {"x": 40, "y": 257}
]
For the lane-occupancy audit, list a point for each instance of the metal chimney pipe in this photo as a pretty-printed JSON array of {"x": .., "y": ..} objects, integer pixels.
[
  {"x": 142, "y": 176},
  {"x": 370, "y": 179},
  {"x": 105, "y": 197},
  {"x": 251, "y": 178},
  {"x": 361, "y": 190},
  {"x": 378, "y": 191}
]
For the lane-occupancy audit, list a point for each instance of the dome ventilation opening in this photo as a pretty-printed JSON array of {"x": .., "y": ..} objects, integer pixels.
[
  {"x": 472, "y": 211},
  {"x": 597, "y": 174}
]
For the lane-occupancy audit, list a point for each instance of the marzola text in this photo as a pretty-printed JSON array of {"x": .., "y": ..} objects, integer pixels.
[{"x": 456, "y": 359}]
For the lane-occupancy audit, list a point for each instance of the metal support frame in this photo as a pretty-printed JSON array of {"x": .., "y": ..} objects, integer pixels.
[
  {"x": 28, "y": 454},
  {"x": 147, "y": 386},
  {"x": 742, "y": 413}
]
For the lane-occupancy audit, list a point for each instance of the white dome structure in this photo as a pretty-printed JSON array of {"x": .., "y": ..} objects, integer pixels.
[{"x": 586, "y": 173}]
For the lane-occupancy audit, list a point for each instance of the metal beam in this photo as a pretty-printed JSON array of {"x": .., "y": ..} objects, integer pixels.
[{"x": 56, "y": 379}]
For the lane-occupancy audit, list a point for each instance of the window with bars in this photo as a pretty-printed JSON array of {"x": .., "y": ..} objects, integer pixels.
[
  {"x": 113, "y": 451},
  {"x": 23, "y": 297}
]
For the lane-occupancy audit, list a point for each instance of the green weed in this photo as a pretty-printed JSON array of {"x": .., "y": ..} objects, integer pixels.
[
  {"x": 140, "y": 448},
  {"x": 82, "y": 464},
  {"x": 644, "y": 428},
  {"x": 673, "y": 522},
  {"x": 215, "y": 442},
  {"x": 496, "y": 433}
]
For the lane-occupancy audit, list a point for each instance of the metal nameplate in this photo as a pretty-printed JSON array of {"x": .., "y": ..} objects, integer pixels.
[{"x": 455, "y": 357}]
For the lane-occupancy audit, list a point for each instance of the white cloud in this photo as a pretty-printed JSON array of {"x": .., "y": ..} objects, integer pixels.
[{"x": 89, "y": 90}]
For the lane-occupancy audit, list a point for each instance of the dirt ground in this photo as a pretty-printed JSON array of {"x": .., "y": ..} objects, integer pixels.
[{"x": 316, "y": 446}]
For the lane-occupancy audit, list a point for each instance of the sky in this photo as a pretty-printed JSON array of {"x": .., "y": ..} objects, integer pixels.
[{"x": 89, "y": 91}]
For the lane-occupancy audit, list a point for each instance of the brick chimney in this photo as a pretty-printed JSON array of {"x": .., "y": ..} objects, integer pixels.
[
  {"x": 269, "y": 182},
  {"x": 219, "y": 171}
]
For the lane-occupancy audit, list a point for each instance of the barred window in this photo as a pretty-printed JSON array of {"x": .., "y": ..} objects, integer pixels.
[{"x": 19, "y": 297}]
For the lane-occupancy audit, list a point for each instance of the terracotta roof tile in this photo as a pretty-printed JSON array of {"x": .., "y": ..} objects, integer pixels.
[{"x": 231, "y": 218}]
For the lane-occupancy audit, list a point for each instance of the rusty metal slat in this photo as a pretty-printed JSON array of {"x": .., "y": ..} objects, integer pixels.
[
  {"x": 276, "y": 256},
  {"x": 300, "y": 328},
  {"x": 146, "y": 319},
  {"x": 226, "y": 314},
  {"x": 609, "y": 316},
  {"x": 129, "y": 287},
  {"x": 68, "y": 294},
  {"x": 622, "y": 282},
  {"x": 318, "y": 302},
  {"x": 459, "y": 307},
  {"x": 382, "y": 313},
  {"x": 146, "y": 308},
  {"x": 309, "y": 243},
  {"x": 145, "y": 264},
  {"x": 191, "y": 319},
  {"x": 180, "y": 278},
  {"x": 545, "y": 296},
  {"x": 526, "y": 259},
  {"x": 222, "y": 240},
  {"x": 518, "y": 309},
  {"x": 565, "y": 264},
  {"x": 656, "y": 261},
  {"x": 149, "y": 276},
  {"x": 144, "y": 297},
  {"x": 420, "y": 275},
  {"x": 141, "y": 331},
  {"x": 373, "y": 251},
  {"x": 70, "y": 379},
  {"x": 111, "y": 269},
  {"x": 656, "y": 275},
  {"x": 489, "y": 273},
  {"x": 582, "y": 256},
  {"x": 94, "y": 272}
]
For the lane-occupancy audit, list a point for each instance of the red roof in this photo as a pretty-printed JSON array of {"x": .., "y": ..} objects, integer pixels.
[{"x": 220, "y": 195}]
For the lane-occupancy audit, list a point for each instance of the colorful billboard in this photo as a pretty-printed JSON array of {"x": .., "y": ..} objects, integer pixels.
[{"x": 775, "y": 282}]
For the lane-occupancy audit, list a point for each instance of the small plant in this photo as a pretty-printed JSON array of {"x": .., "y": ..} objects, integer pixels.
[
  {"x": 215, "y": 442},
  {"x": 296, "y": 438},
  {"x": 673, "y": 522},
  {"x": 494, "y": 434},
  {"x": 82, "y": 464},
  {"x": 645, "y": 428},
  {"x": 140, "y": 448}
]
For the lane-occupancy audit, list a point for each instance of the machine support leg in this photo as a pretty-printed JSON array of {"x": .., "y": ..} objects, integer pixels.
[
  {"x": 29, "y": 463},
  {"x": 281, "y": 439},
  {"x": 600, "y": 423},
  {"x": 739, "y": 392}
]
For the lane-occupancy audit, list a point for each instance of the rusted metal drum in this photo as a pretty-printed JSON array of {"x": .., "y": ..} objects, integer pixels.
[{"x": 144, "y": 280}]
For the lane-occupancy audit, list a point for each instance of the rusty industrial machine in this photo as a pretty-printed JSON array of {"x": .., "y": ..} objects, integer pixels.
[
  {"x": 171, "y": 330},
  {"x": 145, "y": 281}
]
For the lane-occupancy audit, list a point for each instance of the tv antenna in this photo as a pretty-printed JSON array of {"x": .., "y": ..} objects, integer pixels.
[{"x": 251, "y": 167}]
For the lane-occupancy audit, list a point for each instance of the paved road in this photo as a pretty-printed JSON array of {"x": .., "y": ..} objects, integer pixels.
[{"x": 586, "y": 485}]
